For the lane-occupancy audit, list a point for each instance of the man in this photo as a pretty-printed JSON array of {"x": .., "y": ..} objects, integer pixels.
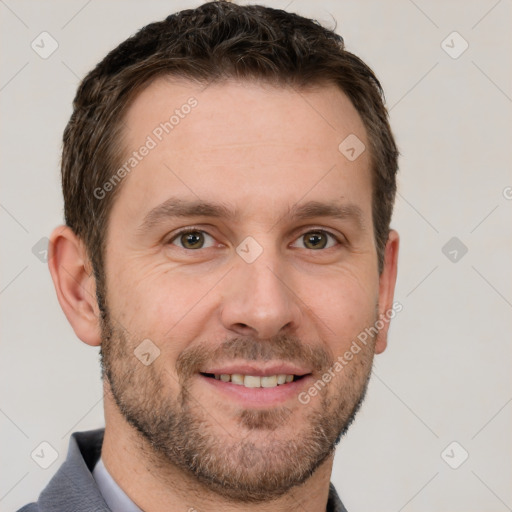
[{"x": 229, "y": 179}]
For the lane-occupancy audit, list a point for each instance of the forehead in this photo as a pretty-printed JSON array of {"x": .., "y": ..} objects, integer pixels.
[{"x": 248, "y": 143}]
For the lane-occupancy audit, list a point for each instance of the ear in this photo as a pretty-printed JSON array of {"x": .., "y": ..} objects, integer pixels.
[
  {"x": 75, "y": 284},
  {"x": 387, "y": 282}
]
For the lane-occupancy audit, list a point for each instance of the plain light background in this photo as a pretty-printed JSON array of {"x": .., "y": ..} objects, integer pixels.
[{"x": 446, "y": 375}]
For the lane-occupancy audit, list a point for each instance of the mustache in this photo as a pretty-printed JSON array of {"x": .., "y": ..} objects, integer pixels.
[{"x": 282, "y": 347}]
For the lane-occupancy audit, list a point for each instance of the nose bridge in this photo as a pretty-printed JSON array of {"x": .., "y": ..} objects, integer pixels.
[
  {"x": 265, "y": 281},
  {"x": 259, "y": 301}
]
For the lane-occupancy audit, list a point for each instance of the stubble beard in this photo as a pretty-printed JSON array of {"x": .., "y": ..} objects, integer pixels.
[{"x": 249, "y": 462}]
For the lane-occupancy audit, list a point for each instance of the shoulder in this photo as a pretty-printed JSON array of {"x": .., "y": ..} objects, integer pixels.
[
  {"x": 31, "y": 507},
  {"x": 73, "y": 486}
]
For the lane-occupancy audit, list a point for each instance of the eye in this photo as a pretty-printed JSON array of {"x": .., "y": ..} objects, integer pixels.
[
  {"x": 192, "y": 239},
  {"x": 315, "y": 240}
]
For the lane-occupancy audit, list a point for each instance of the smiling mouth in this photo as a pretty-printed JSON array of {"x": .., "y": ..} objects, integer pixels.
[{"x": 255, "y": 381}]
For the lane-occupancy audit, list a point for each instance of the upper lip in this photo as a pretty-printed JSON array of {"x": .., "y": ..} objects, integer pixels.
[{"x": 258, "y": 370}]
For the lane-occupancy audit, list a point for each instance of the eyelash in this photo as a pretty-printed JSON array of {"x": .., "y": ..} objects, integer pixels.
[{"x": 185, "y": 231}]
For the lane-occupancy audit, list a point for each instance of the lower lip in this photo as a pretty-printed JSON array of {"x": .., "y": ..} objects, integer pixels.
[{"x": 259, "y": 396}]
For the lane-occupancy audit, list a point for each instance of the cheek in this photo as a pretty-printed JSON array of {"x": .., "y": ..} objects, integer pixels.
[
  {"x": 343, "y": 307},
  {"x": 162, "y": 305},
  {"x": 134, "y": 298}
]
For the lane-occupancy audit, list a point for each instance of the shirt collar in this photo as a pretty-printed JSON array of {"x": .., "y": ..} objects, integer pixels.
[{"x": 118, "y": 501}]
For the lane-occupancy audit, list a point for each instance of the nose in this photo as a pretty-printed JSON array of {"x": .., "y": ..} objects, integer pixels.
[{"x": 260, "y": 301}]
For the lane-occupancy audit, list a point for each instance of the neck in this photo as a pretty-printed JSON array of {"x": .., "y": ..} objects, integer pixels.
[{"x": 156, "y": 486}]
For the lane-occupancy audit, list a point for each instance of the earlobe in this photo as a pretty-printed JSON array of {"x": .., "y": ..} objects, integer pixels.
[
  {"x": 74, "y": 283},
  {"x": 387, "y": 283}
]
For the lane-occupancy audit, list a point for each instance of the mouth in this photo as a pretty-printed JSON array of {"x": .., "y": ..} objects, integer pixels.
[
  {"x": 255, "y": 381},
  {"x": 252, "y": 386}
]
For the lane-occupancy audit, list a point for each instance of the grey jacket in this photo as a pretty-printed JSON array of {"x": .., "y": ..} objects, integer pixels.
[{"x": 73, "y": 488}]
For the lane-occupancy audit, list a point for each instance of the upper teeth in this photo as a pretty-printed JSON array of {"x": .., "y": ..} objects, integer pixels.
[{"x": 253, "y": 381}]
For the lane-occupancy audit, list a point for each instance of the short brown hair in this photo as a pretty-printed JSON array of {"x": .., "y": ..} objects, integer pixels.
[{"x": 216, "y": 41}]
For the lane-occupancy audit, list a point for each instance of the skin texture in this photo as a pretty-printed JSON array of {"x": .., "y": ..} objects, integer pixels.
[{"x": 172, "y": 440}]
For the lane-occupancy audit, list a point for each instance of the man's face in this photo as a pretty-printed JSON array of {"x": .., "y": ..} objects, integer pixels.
[{"x": 277, "y": 276}]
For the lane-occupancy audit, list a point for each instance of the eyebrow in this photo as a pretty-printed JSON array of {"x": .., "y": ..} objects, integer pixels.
[
  {"x": 175, "y": 207},
  {"x": 180, "y": 208}
]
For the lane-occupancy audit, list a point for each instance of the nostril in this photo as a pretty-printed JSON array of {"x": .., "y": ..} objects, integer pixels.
[{"x": 243, "y": 329}]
